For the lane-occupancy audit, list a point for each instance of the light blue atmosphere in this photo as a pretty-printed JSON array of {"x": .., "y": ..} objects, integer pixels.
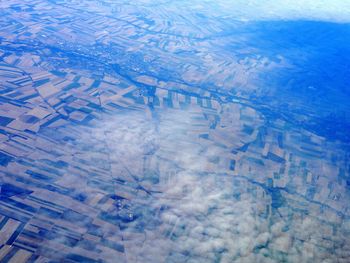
[{"x": 174, "y": 131}]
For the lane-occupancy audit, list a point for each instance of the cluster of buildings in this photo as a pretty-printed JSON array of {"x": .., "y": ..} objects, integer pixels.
[{"x": 89, "y": 145}]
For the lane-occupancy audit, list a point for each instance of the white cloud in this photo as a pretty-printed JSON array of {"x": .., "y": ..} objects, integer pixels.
[
  {"x": 201, "y": 221},
  {"x": 322, "y": 10}
]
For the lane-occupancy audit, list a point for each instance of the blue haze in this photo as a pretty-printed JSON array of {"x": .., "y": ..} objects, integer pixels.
[{"x": 174, "y": 131}]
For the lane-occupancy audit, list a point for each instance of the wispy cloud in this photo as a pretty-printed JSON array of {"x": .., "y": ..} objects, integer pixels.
[
  {"x": 204, "y": 216},
  {"x": 322, "y": 10}
]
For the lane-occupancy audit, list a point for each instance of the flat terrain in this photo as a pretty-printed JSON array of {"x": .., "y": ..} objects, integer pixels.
[{"x": 171, "y": 131}]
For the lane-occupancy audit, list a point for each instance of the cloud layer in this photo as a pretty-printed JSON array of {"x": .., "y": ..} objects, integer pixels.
[
  {"x": 321, "y": 10},
  {"x": 200, "y": 216}
]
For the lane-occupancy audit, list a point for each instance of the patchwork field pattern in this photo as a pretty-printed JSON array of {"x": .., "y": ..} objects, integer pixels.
[{"x": 126, "y": 138}]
